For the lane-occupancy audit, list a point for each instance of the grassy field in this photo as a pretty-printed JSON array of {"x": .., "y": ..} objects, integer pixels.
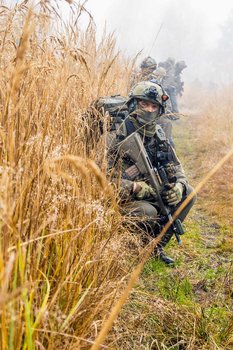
[
  {"x": 66, "y": 253},
  {"x": 190, "y": 306}
]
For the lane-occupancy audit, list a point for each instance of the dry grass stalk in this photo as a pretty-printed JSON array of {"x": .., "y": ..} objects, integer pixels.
[
  {"x": 58, "y": 215},
  {"x": 53, "y": 212}
]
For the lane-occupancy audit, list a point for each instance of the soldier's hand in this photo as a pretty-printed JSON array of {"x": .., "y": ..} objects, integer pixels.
[
  {"x": 143, "y": 191},
  {"x": 173, "y": 196}
]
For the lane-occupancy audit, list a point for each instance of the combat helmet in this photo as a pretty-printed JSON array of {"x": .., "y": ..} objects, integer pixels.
[
  {"x": 160, "y": 72},
  {"x": 148, "y": 63},
  {"x": 148, "y": 91},
  {"x": 181, "y": 65}
]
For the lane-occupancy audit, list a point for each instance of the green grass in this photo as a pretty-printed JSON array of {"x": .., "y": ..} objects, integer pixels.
[{"x": 193, "y": 298}]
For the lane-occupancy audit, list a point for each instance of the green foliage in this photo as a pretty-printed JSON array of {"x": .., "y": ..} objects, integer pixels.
[{"x": 168, "y": 285}]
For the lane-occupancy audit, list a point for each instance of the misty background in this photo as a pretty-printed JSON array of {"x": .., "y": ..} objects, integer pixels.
[{"x": 200, "y": 32}]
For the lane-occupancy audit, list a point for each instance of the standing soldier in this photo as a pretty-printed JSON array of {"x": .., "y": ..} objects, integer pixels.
[
  {"x": 179, "y": 67},
  {"x": 158, "y": 76},
  {"x": 165, "y": 119},
  {"x": 169, "y": 82},
  {"x": 147, "y": 67}
]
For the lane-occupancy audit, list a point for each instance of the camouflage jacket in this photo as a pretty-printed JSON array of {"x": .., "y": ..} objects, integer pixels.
[{"x": 120, "y": 166}]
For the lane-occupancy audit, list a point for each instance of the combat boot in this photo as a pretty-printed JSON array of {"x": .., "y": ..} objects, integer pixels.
[{"x": 159, "y": 253}]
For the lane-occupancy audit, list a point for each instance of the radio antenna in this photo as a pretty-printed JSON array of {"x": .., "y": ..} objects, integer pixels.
[{"x": 156, "y": 36}]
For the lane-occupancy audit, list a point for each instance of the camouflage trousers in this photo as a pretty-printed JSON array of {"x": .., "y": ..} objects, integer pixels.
[{"x": 148, "y": 218}]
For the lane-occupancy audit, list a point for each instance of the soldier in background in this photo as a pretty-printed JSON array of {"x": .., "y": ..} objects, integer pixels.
[
  {"x": 169, "y": 82},
  {"x": 147, "y": 67},
  {"x": 168, "y": 64},
  {"x": 158, "y": 75},
  {"x": 179, "y": 67}
]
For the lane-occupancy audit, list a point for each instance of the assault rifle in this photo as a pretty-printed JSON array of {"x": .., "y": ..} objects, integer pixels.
[{"x": 134, "y": 148}]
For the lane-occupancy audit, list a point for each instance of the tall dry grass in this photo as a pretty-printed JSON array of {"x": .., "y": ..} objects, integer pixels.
[{"x": 63, "y": 252}]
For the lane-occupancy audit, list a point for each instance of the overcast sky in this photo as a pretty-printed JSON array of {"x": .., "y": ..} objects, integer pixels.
[
  {"x": 140, "y": 20},
  {"x": 185, "y": 29}
]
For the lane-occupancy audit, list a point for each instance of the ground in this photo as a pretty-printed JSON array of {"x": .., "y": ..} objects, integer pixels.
[{"x": 188, "y": 306}]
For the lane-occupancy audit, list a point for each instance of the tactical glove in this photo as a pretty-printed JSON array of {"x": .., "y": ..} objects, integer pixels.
[
  {"x": 173, "y": 196},
  {"x": 143, "y": 191}
]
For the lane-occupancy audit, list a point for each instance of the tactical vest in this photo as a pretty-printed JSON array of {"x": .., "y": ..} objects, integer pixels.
[{"x": 158, "y": 148}]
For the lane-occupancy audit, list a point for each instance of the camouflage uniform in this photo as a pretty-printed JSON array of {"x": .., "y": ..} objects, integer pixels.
[
  {"x": 147, "y": 67},
  {"x": 165, "y": 120},
  {"x": 169, "y": 82},
  {"x": 179, "y": 67},
  {"x": 158, "y": 75},
  {"x": 121, "y": 166}
]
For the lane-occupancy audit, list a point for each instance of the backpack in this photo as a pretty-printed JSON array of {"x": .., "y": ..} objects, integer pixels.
[{"x": 105, "y": 113}]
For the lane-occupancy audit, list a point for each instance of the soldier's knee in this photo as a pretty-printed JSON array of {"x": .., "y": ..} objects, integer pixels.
[
  {"x": 142, "y": 209},
  {"x": 149, "y": 210}
]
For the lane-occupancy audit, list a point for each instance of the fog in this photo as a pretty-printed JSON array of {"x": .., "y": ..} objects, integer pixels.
[
  {"x": 200, "y": 32},
  {"x": 186, "y": 30}
]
